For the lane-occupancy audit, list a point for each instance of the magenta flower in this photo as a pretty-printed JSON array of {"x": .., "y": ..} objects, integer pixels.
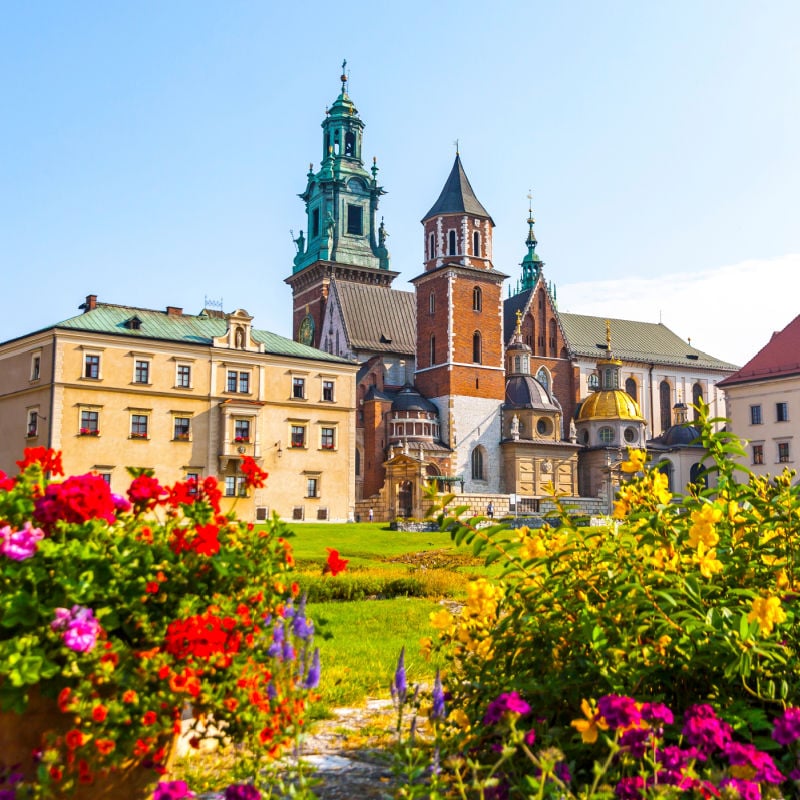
[
  {"x": 619, "y": 711},
  {"x": 787, "y": 727},
  {"x": 80, "y": 627},
  {"x": 657, "y": 714},
  {"x": 242, "y": 791},
  {"x": 746, "y": 790},
  {"x": 509, "y": 702},
  {"x": 172, "y": 790},
  {"x": 746, "y": 755},
  {"x": 703, "y": 730},
  {"x": 630, "y": 788},
  {"x": 635, "y": 741},
  {"x": 19, "y": 545}
]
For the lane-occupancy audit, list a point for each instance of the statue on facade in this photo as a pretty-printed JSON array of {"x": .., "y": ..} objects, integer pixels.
[
  {"x": 573, "y": 432},
  {"x": 515, "y": 428}
]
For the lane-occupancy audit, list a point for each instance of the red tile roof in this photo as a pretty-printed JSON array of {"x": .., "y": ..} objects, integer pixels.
[{"x": 779, "y": 357}]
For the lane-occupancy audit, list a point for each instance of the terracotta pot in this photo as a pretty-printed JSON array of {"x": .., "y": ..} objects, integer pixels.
[{"x": 21, "y": 735}]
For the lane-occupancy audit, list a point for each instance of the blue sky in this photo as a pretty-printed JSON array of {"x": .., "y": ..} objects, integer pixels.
[{"x": 152, "y": 153}]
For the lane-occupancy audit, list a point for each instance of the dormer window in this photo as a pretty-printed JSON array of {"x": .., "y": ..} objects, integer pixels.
[{"x": 133, "y": 323}]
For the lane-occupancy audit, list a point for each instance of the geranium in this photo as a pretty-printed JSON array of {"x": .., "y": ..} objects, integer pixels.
[
  {"x": 127, "y": 612},
  {"x": 255, "y": 477},
  {"x": 334, "y": 565},
  {"x": 787, "y": 727}
]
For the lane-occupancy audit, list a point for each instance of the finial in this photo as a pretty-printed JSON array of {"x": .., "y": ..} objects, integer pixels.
[
  {"x": 518, "y": 331},
  {"x": 530, "y": 206},
  {"x": 608, "y": 336},
  {"x": 374, "y": 168},
  {"x": 343, "y": 77},
  {"x": 456, "y": 144}
]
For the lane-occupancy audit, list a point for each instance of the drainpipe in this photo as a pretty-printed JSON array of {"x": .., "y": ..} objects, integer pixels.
[
  {"x": 52, "y": 394},
  {"x": 650, "y": 384}
]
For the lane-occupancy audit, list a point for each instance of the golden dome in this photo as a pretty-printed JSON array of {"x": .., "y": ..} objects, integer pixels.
[{"x": 610, "y": 404}]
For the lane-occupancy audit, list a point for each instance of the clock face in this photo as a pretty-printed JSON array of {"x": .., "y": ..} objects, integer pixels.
[{"x": 306, "y": 332}]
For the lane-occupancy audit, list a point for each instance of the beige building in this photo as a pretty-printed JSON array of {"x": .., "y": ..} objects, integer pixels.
[
  {"x": 186, "y": 395},
  {"x": 763, "y": 404}
]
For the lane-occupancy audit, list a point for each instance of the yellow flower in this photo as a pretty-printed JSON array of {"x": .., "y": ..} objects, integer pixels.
[
  {"x": 707, "y": 561},
  {"x": 661, "y": 488},
  {"x": 459, "y": 718},
  {"x": 661, "y": 645},
  {"x": 425, "y": 647},
  {"x": 532, "y": 547},
  {"x": 702, "y": 529},
  {"x": 592, "y": 725},
  {"x": 441, "y": 620},
  {"x": 768, "y": 612},
  {"x": 635, "y": 462},
  {"x": 665, "y": 559}
]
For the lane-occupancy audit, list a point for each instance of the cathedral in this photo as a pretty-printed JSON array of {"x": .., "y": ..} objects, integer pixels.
[{"x": 492, "y": 392}]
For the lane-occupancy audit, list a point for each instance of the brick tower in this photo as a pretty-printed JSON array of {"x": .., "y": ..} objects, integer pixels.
[
  {"x": 459, "y": 360},
  {"x": 344, "y": 239}
]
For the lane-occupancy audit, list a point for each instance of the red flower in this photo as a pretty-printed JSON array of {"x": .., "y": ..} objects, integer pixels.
[
  {"x": 49, "y": 460},
  {"x": 6, "y": 483},
  {"x": 56, "y": 774},
  {"x": 151, "y": 587},
  {"x": 129, "y": 696},
  {"x": 105, "y": 746},
  {"x": 149, "y": 718},
  {"x": 99, "y": 713},
  {"x": 334, "y": 565},
  {"x": 74, "y": 738},
  {"x": 78, "y": 499},
  {"x": 206, "y": 543},
  {"x": 146, "y": 492},
  {"x": 255, "y": 477},
  {"x": 64, "y": 699}
]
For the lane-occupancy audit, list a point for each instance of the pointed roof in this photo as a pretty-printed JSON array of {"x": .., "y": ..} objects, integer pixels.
[
  {"x": 457, "y": 196},
  {"x": 778, "y": 358}
]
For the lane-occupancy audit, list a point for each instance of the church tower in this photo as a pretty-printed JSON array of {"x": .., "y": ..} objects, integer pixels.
[
  {"x": 459, "y": 360},
  {"x": 344, "y": 238}
]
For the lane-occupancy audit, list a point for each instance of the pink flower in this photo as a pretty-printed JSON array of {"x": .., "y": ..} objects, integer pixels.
[
  {"x": 172, "y": 790},
  {"x": 619, "y": 711},
  {"x": 80, "y": 627},
  {"x": 19, "y": 545},
  {"x": 509, "y": 702},
  {"x": 787, "y": 727}
]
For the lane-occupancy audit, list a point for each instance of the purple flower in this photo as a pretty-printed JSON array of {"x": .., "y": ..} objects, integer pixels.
[
  {"x": 312, "y": 679},
  {"x": 657, "y": 714},
  {"x": 787, "y": 727},
  {"x": 629, "y": 788},
  {"x": 275, "y": 650},
  {"x": 619, "y": 711},
  {"x": 19, "y": 545},
  {"x": 746, "y": 755},
  {"x": 399, "y": 687},
  {"x": 635, "y": 741},
  {"x": 172, "y": 790},
  {"x": 505, "y": 703},
  {"x": 62, "y": 617},
  {"x": 242, "y": 791},
  {"x": 437, "y": 711},
  {"x": 703, "y": 730},
  {"x": 562, "y": 772},
  {"x": 82, "y": 630},
  {"x": 301, "y": 627},
  {"x": 747, "y": 790},
  {"x": 120, "y": 503}
]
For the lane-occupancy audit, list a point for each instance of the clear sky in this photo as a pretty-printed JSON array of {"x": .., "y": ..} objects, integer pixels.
[{"x": 151, "y": 153}]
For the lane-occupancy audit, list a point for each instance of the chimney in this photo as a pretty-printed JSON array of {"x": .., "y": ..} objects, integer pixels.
[
  {"x": 90, "y": 304},
  {"x": 174, "y": 311}
]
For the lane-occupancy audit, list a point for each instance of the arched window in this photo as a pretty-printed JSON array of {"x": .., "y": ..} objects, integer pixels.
[
  {"x": 476, "y": 243},
  {"x": 476, "y": 347},
  {"x": 553, "y": 338},
  {"x": 698, "y": 475},
  {"x": 432, "y": 246},
  {"x": 631, "y": 388},
  {"x": 358, "y": 461},
  {"x": 433, "y": 349},
  {"x": 665, "y": 400},
  {"x": 543, "y": 376},
  {"x": 432, "y": 302},
  {"x": 697, "y": 395},
  {"x": 531, "y": 341},
  {"x": 476, "y": 461},
  {"x": 336, "y": 144},
  {"x": 477, "y": 299},
  {"x": 593, "y": 382},
  {"x": 349, "y": 144},
  {"x": 451, "y": 243},
  {"x": 668, "y": 469}
]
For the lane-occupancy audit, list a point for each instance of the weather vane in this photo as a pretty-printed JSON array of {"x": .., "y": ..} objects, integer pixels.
[{"x": 456, "y": 144}]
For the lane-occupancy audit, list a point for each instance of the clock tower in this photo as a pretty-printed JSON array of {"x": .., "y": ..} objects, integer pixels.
[{"x": 343, "y": 237}]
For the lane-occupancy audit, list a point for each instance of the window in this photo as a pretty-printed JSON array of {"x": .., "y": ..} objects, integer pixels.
[
  {"x": 432, "y": 302},
  {"x": 543, "y": 427},
  {"x": 238, "y": 381},
  {"x": 432, "y": 246},
  {"x": 697, "y": 396},
  {"x": 355, "y": 220},
  {"x": 477, "y": 299},
  {"x": 139, "y": 426},
  {"x": 328, "y": 438},
  {"x": 451, "y": 243},
  {"x": 327, "y": 391},
  {"x": 783, "y": 452},
  {"x": 349, "y": 144},
  {"x": 758, "y": 453},
  {"x": 235, "y": 486},
  {"x": 631, "y": 388},
  {"x": 181, "y": 428},
  {"x": 33, "y": 423},
  {"x": 141, "y": 372},
  {"x": 543, "y": 376},
  {"x": 433, "y": 350},
  {"x": 312, "y": 487},
  {"x": 36, "y": 367},
  {"x": 631, "y": 435},
  {"x": 106, "y": 476},
  {"x": 755, "y": 415},
  {"x": 299, "y": 388},
  {"x": 593, "y": 382},
  {"x": 183, "y": 376},
  {"x": 476, "y": 461},
  {"x": 298, "y": 438},
  {"x": 91, "y": 366},
  {"x": 476, "y": 243},
  {"x": 315, "y": 222},
  {"x": 782, "y": 412},
  {"x": 241, "y": 430},
  {"x": 476, "y": 347},
  {"x": 90, "y": 422},
  {"x": 193, "y": 479},
  {"x": 606, "y": 435},
  {"x": 665, "y": 398}
]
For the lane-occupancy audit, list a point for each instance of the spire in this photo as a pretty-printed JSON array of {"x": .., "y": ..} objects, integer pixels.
[
  {"x": 457, "y": 196},
  {"x": 531, "y": 264},
  {"x": 344, "y": 77}
]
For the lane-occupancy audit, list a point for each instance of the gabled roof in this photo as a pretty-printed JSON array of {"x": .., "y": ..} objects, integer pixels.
[
  {"x": 510, "y": 307},
  {"x": 644, "y": 342},
  {"x": 195, "y": 329},
  {"x": 377, "y": 318},
  {"x": 457, "y": 196},
  {"x": 779, "y": 357}
]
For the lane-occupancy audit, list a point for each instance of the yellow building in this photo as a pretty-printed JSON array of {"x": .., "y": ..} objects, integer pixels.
[{"x": 186, "y": 395}]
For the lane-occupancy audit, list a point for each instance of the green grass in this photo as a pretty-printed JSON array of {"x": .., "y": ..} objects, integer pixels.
[{"x": 360, "y": 658}]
